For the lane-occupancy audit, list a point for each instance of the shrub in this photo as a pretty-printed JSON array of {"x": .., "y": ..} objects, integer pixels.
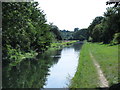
[{"x": 116, "y": 39}]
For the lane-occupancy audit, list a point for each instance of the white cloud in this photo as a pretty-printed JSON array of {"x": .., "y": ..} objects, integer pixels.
[{"x": 68, "y": 14}]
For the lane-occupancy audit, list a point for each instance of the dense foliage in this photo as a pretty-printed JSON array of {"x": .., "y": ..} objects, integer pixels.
[
  {"x": 24, "y": 29},
  {"x": 77, "y": 34},
  {"x": 81, "y": 34},
  {"x": 106, "y": 29},
  {"x": 56, "y": 32},
  {"x": 66, "y": 35}
]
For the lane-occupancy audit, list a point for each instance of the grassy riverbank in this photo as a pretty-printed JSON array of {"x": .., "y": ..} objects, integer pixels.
[
  {"x": 17, "y": 56},
  {"x": 86, "y": 75},
  {"x": 61, "y": 44}
]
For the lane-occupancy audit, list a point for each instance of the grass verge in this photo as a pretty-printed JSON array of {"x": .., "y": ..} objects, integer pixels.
[
  {"x": 86, "y": 74},
  {"x": 17, "y": 56},
  {"x": 107, "y": 57}
]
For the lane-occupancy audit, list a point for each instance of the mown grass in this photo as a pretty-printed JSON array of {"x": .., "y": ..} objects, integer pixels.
[
  {"x": 86, "y": 74},
  {"x": 107, "y": 57}
]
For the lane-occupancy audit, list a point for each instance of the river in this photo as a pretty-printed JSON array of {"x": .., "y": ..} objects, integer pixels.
[{"x": 52, "y": 69}]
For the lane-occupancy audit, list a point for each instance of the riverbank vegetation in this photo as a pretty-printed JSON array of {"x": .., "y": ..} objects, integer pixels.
[
  {"x": 86, "y": 75},
  {"x": 62, "y": 44},
  {"x": 30, "y": 72},
  {"x": 77, "y": 34},
  {"x": 26, "y": 32},
  {"x": 106, "y": 28},
  {"x": 104, "y": 40}
]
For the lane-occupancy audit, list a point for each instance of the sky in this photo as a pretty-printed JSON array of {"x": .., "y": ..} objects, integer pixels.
[{"x": 70, "y": 14}]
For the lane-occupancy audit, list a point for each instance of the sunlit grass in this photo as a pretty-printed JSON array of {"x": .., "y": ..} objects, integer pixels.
[
  {"x": 107, "y": 57},
  {"x": 62, "y": 44},
  {"x": 86, "y": 74}
]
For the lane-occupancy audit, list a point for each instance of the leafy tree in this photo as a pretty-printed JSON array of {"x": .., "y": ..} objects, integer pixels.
[
  {"x": 103, "y": 29},
  {"x": 24, "y": 28},
  {"x": 97, "y": 33},
  {"x": 66, "y": 35},
  {"x": 82, "y": 34},
  {"x": 111, "y": 23},
  {"x": 55, "y": 31},
  {"x": 96, "y": 21}
]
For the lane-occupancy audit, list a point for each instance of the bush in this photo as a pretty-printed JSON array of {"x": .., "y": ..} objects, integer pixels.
[{"x": 116, "y": 39}]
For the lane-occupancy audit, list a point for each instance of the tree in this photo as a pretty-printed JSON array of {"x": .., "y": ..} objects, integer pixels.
[
  {"x": 82, "y": 34},
  {"x": 97, "y": 34},
  {"x": 111, "y": 23},
  {"x": 76, "y": 29},
  {"x": 103, "y": 29},
  {"x": 56, "y": 31},
  {"x": 96, "y": 21},
  {"x": 66, "y": 35},
  {"x": 24, "y": 28}
]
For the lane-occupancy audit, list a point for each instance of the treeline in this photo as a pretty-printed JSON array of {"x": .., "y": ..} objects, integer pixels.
[
  {"x": 80, "y": 34},
  {"x": 25, "y": 29},
  {"x": 66, "y": 35},
  {"x": 77, "y": 34},
  {"x": 106, "y": 29}
]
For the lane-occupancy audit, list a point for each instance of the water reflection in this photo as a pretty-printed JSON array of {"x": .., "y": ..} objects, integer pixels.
[
  {"x": 30, "y": 73},
  {"x": 46, "y": 70},
  {"x": 77, "y": 46},
  {"x": 65, "y": 68}
]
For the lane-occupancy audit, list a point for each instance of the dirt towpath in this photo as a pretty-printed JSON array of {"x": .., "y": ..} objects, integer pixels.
[{"x": 103, "y": 81}]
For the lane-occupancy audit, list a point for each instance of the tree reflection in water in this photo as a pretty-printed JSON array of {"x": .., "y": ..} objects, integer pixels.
[
  {"x": 30, "y": 73},
  {"x": 77, "y": 46}
]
